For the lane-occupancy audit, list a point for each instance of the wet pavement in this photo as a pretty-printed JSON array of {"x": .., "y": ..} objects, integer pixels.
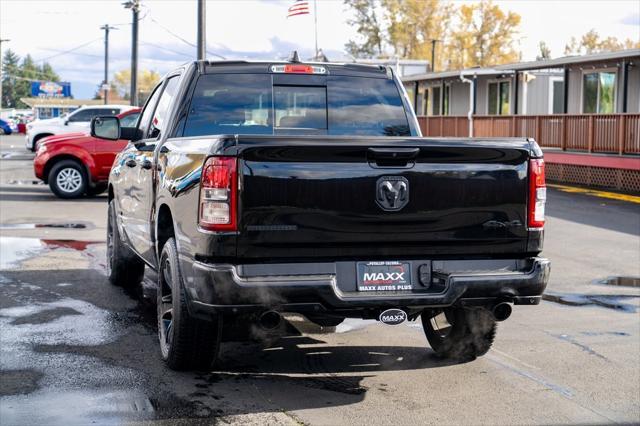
[{"x": 75, "y": 350}]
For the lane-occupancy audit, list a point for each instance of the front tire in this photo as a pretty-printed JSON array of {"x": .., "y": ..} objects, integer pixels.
[
  {"x": 186, "y": 342},
  {"x": 124, "y": 267},
  {"x": 67, "y": 179},
  {"x": 459, "y": 333}
]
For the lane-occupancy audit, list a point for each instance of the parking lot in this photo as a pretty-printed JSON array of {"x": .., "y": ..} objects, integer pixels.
[{"x": 75, "y": 350}]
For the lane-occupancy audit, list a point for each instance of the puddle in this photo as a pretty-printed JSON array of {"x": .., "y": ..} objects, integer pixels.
[
  {"x": 16, "y": 249},
  {"x": 25, "y": 182},
  {"x": 16, "y": 382},
  {"x": 621, "y": 281},
  {"x": 605, "y": 333},
  {"x": 65, "y": 321},
  {"x": 76, "y": 407},
  {"x": 43, "y": 225},
  {"x": 615, "y": 302}
]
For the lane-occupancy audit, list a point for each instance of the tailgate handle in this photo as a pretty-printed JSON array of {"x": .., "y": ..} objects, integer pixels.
[{"x": 392, "y": 156}]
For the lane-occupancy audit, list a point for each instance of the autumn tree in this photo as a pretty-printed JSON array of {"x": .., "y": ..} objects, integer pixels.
[
  {"x": 147, "y": 80},
  {"x": 480, "y": 34},
  {"x": 592, "y": 43},
  {"x": 413, "y": 24},
  {"x": 486, "y": 36},
  {"x": 369, "y": 26}
]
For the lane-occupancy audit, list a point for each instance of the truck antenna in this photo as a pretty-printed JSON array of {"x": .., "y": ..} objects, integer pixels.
[{"x": 294, "y": 57}]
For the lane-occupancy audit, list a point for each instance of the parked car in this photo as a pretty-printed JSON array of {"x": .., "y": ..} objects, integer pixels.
[
  {"x": 5, "y": 127},
  {"x": 77, "y": 121},
  {"x": 77, "y": 163},
  {"x": 260, "y": 188}
]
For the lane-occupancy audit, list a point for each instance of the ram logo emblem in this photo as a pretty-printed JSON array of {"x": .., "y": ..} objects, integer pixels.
[{"x": 392, "y": 192}]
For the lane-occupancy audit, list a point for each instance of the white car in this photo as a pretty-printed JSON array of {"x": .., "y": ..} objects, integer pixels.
[{"x": 77, "y": 121}]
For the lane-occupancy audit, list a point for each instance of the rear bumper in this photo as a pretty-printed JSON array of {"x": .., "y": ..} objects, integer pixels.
[{"x": 330, "y": 287}]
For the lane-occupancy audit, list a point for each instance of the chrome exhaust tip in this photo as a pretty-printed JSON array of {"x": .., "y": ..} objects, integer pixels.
[
  {"x": 501, "y": 311},
  {"x": 270, "y": 320}
]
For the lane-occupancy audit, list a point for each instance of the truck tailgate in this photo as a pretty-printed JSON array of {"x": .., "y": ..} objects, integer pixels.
[{"x": 333, "y": 197}]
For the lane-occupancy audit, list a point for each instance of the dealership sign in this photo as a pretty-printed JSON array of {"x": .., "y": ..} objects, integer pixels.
[{"x": 50, "y": 89}]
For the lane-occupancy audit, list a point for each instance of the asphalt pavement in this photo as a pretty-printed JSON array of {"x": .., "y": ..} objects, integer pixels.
[{"x": 75, "y": 350}]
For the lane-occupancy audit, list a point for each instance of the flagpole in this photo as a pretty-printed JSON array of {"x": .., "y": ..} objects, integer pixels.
[{"x": 315, "y": 21}]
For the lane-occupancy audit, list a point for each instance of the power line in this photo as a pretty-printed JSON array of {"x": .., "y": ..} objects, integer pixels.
[
  {"x": 168, "y": 50},
  {"x": 73, "y": 53},
  {"x": 64, "y": 52},
  {"x": 182, "y": 39}
]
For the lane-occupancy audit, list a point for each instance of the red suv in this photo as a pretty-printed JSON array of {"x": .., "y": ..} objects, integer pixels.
[{"x": 75, "y": 164}]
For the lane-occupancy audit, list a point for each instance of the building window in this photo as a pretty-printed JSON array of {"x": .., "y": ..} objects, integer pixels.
[
  {"x": 556, "y": 95},
  {"x": 445, "y": 102},
  {"x": 436, "y": 100},
  {"x": 499, "y": 98},
  {"x": 425, "y": 100},
  {"x": 429, "y": 100},
  {"x": 599, "y": 92}
]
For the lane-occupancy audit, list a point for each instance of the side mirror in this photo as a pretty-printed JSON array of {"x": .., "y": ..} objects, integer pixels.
[
  {"x": 66, "y": 122},
  {"x": 106, "y": 128}
]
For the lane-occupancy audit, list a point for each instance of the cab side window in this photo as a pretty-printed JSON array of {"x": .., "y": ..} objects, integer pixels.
[
  {"x": 147, "y": 112},
  {"x": 129, "y": 120},
  {"x": 159, "y": 121},
  {"x": 83, "y": 115}
]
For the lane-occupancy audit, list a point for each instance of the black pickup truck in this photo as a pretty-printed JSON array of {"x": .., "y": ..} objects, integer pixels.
[{"x": 256, "y": 188}]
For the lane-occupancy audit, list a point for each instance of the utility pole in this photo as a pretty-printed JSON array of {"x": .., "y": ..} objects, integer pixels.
[
  {"x": 4, "y": 40},
  {"x": 105, "y": 83},
  {"x": 202, "y": 29},
  {"x": 134, "y": 5},
  {"x": 433, "y": 54}
]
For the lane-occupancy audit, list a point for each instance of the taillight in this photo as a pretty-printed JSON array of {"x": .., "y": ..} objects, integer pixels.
[
  {"x": 218, "y": 194},
  {"x": 537, "y": 193}
]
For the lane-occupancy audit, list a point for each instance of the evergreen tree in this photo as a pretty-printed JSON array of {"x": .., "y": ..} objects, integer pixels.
[
  {"x": 10, "y": 67},
  {"x": 17, "y": 77}
]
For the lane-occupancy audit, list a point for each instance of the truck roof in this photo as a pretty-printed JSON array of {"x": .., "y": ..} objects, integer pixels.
[{"x": 264, "y": 67}]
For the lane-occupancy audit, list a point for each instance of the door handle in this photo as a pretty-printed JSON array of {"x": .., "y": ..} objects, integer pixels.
[
  {"x": 146, "y": 164},
  {"x": 131, "y": 162}
]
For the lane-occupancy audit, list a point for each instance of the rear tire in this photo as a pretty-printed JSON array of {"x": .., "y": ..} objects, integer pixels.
[
  {"x": 124, "y": 267},
  {"x": 460, "y": 333},
  {"x": 68, "y": 179},
  {"x": 186, "y": 342}
]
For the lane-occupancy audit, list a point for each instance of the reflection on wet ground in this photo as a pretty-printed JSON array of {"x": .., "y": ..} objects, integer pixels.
[
  {"x": 621, "y": 281},
  {"x": 620, "y": 302},
  {"x": 46, "y": 225},
  {"x": 17, "y": 249},
  {"x": 25, "y": 182}
]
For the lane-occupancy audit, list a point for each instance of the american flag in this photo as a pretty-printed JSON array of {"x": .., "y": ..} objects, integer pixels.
[{"x": 299, "y": 7}]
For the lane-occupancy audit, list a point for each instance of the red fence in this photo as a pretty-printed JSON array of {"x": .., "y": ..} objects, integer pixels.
[{"x": 602, "y": 133}]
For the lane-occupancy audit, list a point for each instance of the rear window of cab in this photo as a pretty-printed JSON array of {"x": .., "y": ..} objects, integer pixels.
[{"x": 251, "y": 104}]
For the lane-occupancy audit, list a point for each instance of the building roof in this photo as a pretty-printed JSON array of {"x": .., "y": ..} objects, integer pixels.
[
  {"x": 60, "y": 102},
  {"x": 531, "y": 65}
]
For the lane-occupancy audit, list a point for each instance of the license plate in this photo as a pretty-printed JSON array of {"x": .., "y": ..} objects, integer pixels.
[{"x": 384, "y": 276}]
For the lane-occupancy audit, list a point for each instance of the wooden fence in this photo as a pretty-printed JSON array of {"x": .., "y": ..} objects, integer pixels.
[{"x": 601, "y": 133}]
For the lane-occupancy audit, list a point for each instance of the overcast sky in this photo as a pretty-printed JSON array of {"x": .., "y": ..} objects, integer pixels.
[{"x": 249, "y": 29}]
